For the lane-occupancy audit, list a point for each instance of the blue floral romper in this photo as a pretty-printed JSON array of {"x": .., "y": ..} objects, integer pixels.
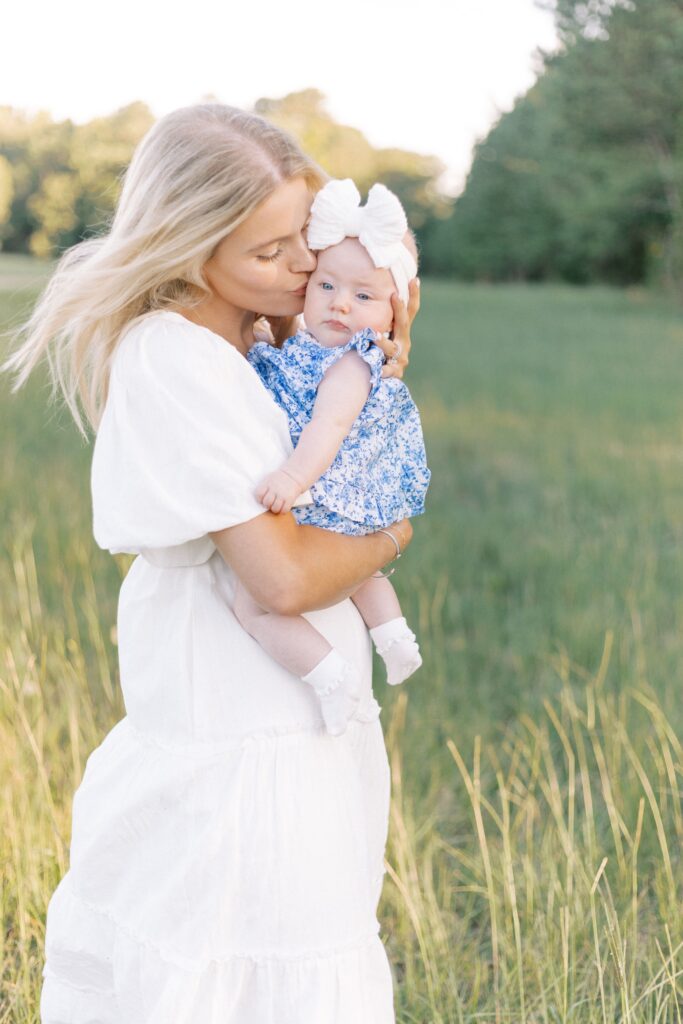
[{"x": 380, "y": 473}]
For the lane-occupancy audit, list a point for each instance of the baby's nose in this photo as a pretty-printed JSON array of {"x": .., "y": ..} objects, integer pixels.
[{"x": 340, "y": 301}]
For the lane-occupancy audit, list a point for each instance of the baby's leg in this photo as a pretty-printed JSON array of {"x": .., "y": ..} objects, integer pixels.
[
  {"x": 290, "y": 639},
  {"x": 377, "y": 602},
  {"x": 298, "y": 646}
]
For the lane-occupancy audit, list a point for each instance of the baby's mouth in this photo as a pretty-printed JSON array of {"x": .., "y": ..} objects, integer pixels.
[{"x": 336, "y": 325}]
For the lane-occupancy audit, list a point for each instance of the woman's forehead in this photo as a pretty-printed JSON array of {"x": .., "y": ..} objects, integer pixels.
[{"x": 281, "y": 214}]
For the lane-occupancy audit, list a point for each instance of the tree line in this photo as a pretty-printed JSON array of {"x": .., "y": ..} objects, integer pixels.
[
  {"x": 583, "y": 179},
  {"x": 59, "y": 181}
]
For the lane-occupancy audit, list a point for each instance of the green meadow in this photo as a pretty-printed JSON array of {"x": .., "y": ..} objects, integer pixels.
[{"x": 534, "y": 862}]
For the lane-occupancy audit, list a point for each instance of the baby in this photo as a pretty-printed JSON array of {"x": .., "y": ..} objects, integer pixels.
[{"x": 357, "y": 436}]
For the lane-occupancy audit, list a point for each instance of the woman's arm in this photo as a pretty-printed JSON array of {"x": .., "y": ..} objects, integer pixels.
[{"x": 291, "y": 569}]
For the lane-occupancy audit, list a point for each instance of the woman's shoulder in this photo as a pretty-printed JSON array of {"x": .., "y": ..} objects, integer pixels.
[
  {"x": 170, "y": 347},
  {"x": 167, "y": 330}
]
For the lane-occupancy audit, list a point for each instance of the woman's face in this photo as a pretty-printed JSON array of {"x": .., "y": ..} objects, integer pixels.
[{"x": 263, "y": 265}]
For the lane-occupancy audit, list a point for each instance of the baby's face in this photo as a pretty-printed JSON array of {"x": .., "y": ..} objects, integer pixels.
[{"x": 347, "y": 292}]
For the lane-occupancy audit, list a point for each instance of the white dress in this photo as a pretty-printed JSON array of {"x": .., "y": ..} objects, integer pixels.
[{"x": 227, "y": 852}]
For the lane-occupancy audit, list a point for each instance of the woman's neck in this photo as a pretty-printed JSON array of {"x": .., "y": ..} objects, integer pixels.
[{"x": 235, "y": 325}]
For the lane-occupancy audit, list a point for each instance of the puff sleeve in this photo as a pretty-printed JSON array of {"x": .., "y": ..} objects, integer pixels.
[{"x": 187, "y": 432}]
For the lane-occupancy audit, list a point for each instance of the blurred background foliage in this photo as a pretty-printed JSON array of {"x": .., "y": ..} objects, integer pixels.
[{"x": 581, "y": 181}]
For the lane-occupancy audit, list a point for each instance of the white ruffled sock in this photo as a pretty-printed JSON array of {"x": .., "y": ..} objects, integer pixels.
[
  {"x": 337, "y": 683},
  {"x": 397, "y": 647}
]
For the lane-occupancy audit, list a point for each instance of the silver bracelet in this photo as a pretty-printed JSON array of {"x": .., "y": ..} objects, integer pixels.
[
  {"x": 379, "y": 575},
  {"x": 396, "y": 544}
]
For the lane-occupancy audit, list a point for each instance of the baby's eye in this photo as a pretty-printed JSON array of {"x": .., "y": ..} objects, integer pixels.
[
  {"x": 325, "y": 285},
  {"x": 363, "y": 296}
]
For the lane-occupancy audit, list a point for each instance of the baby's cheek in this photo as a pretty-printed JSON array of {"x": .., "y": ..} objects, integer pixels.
[
  {"x": 309, "y": 307},
  {"x": 385, "y": 318}
]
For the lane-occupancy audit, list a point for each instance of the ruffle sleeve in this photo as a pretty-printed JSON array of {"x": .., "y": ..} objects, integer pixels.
[
  {"x": 364, "y": 344},
  {"x": 187, "y": 432}
]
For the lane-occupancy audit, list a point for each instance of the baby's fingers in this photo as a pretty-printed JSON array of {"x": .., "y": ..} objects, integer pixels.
[{"x": 266, "y": 497}]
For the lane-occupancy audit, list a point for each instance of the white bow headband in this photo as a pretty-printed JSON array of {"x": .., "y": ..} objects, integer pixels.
[{"x": 379, "y": 226}]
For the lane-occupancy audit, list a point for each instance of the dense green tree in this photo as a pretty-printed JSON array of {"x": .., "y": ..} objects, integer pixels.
[
  {"x": 582, "y": 179},
  {"x": 65, "y": 177}
]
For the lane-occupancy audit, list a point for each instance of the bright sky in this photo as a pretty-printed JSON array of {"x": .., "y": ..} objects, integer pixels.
[{"x": 426, "y": 75}]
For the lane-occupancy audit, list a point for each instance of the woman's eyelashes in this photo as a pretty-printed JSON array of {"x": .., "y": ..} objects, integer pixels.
[{"x": 271, "y": 257}]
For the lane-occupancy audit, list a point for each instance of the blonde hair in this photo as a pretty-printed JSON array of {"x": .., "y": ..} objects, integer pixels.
[{"x": 195, "y": 176}]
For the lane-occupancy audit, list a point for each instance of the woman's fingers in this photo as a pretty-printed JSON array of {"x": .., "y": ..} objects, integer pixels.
[
  {"x": 397, "y": 349},
  {"x": 413, "y": 298},
  {"x": 405, "y": 314}
]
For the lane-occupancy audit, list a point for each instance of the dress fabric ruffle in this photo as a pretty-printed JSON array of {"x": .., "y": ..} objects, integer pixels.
[{"x": 161, "y": 915}]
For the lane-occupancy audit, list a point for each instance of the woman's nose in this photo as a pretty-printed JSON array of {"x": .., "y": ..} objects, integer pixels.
[{"x": 304, "y": 260}]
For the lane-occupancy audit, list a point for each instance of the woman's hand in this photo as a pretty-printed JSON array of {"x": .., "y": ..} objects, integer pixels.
[{"x": 397, "y": 348}]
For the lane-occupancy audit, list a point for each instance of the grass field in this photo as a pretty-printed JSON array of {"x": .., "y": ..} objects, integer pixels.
[{"x": 534, "y": 865}]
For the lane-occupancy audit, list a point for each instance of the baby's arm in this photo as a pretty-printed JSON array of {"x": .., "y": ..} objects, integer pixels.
[{"x": 341, "y": 395}]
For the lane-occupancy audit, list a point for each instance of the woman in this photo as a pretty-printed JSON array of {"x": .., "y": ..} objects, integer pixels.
[{"x": 226, "y": 855}]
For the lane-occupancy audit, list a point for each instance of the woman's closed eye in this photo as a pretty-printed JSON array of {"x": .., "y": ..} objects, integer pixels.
[{"x": 271, "y": 257}]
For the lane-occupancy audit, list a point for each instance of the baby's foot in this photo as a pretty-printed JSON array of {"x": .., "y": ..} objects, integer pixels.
[
  {"x": 397, "y": 647},
  {"x": 337, "y": 683}
]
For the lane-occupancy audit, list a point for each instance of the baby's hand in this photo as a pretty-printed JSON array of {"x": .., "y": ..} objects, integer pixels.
[{"x": 278, "y": 491}]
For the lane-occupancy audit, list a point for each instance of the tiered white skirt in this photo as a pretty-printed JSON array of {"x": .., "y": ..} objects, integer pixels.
[{"x": 230, "y": 883}]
